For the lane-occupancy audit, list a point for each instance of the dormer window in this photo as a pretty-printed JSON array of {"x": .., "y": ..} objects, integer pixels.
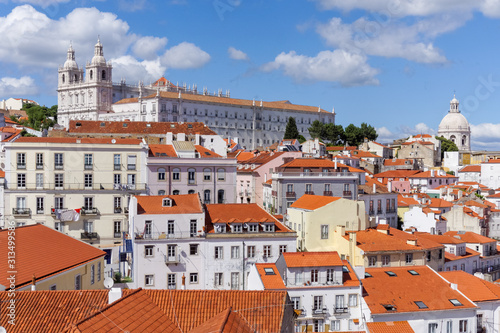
[
  {"x": 253, "y": 227},
  {"x": 220, "y": 228},
  {"x": 269, "y": 227},
  {"x": 167, "y": 202},
  {"x": 237, "y": 228}
]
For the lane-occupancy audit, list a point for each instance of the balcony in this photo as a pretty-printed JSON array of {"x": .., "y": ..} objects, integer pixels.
[
  {"x": 58, "y": 166},
  {"x": 39, "y": 211},
  {"x": 248, "y": 193},
  {"x": 130, "y": 166},
  {"x": 347, "y": 193},
  {"x": 169, "y": 260},
  {"x": 309, "y": 192},
  {"x": 290, "y": 194},
  {"x": 117, "y": 235},
  {"x": 320, "y": 312},
  {"x": 90, "y": 211},
  {"x": 21, "y": 166},
  {"x": 117, "y": 167},
  {"x": 118, "y": 210},
  {"x": 379, "y": 211},
  {"x": 78, "y": 186},
  {"x": 371, "y": 212},
  {"x": 341, "y": 309},
  {"x": 327, "y": 193},
  {"x": 39, "y": 166},
  {"x": 88, "y": 167},
  {"x": 89, "y": 235},
  {"x": 327, "y": 175},
  {"x": 21, "y": 211}
]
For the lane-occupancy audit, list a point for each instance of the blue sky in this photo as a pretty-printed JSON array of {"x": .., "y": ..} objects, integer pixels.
[{"x": 393, "y": 64}]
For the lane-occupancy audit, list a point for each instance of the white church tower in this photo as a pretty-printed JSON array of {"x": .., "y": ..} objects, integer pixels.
[
  {"x": 455, "y": 127},
  {"x": 86, "y": 97}
]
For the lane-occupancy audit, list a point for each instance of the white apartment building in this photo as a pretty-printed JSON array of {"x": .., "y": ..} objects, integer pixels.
[
  {"x": 255, "y": 123},
  {"x": 325, "y": 291}
]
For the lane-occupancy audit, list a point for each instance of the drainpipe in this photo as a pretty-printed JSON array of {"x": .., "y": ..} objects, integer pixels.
[{"x": 243, "y": 261}]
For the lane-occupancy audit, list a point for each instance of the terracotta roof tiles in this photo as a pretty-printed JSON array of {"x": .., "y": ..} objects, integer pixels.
[
  {"x": 137, "y": 127},
  {"x": 470, "y": 237},
  {"x": 95, "y": 141},
  {"x": 182, "y": 204},
  {"x": 390, "y": 327},
  {"x": 471, "y": 168},
  {"x": 312, "y": 259},
  {"x": 313, "y": 202},
  {"x": 476, "y": 289},
  {"x": 225, "y": 322}
]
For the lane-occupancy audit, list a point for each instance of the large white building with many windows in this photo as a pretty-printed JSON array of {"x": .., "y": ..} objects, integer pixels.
[{"x": 93, "y": 96}]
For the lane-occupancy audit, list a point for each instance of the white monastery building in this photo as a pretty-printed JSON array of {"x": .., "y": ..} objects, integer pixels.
[{"x": 455, "y": 127}]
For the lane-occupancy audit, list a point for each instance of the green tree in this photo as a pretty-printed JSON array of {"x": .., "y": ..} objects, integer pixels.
[
  {"x": 291, "y": 131},
  {"x": 39, "y": 117},
  {"x": 353, "y": 135},
  {"x": 369, "y": 132},
  {"x": 446, "y": 145},
  {"x": 334, "y": 134},
  {"x": 316, "y": 130}
]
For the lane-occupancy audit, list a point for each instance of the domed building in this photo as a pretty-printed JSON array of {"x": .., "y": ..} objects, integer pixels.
[{"x": 455, "y": 127}]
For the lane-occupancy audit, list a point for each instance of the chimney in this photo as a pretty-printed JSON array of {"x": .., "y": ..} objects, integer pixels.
[
  {"x": 181, "y": 136},
  {"x": 341, "y": 230},
  {"x": 335, "y": 163},
  {"x": 454, "y": 286},
  {"x": 33, "y": 283},
  {"x": 389, "y": 186},
  {"x": 183, "y": 282},
  {"x": 374, "y": 188},
  {"x": 114, "y": 294},
  {"x": 432, "y": 173},
  {"x": 197, "y": 139},
  {"x": 170, "y": 138}
]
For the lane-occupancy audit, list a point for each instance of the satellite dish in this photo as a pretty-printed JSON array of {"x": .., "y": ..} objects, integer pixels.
[{"x": 108, "y": 283}]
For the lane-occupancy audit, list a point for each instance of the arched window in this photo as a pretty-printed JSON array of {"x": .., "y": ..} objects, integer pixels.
[
  {"x": 76, "y": 78},
  {"x": 207, "y": 174},
  {"x": 91, "y": 74},
  {"x": 103, "y": 75},
  {"x": 176, "y": 174},
  {"x": 63, "y": 78},
  {"x": 191, "y": 176},
  {"x": 191, "y": 192},
  {"x": 206, "y": 196},
  {"x": 161, "y": 173},
  {"x": 176, "y": 192},
  {"x": 464, "y": 140},
  {"x": 220, "y": 196},
  {"x": 221, "y": 174},
  {"x": 161, "y": 192},
  {"x": 453, "y": 139}
]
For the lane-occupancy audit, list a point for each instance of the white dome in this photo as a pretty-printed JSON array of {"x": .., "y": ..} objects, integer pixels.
[
  {"x": 454, "y": 122},
  {"x": 70, "y": 64},
  {"x": 98, "y": 58}
]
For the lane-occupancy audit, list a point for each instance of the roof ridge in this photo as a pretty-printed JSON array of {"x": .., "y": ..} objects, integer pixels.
[{"x": 224, "y": 322}]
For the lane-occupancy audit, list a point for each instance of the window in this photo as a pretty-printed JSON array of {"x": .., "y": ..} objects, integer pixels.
[
  {"x": 191, "y": 176},
  {"x": 282, "y": 248},
  {"x": 409, "y": 258},
  {"x": 58, "y": 181},
  {"x": 335, "y": 325},
  {"x": 21, "y": 180},
  {"x": 193, "y": 278},
  {"x": 88, "y": 161},
  {"x": 421, "y": 305},
  {"x": 314, "y": 275},
  {"x": 193, "y": 228},
  {"x": 456, "y": 302},
  {"x": 88, "y": 203},
  {"x": 206, "y": 196},
  {"x": 58, "y": 203},
  {"x": 289, "y": 188},
  {"x": 318, "y": 303},
  {"x": 117, "y": 229},
  {"x": 433, "y": 327},
  {"x": 269, "y": 227},
  {"x": 221, "y": 174},
  {"x": 253, "y": 228},
  {"x": 449, "y": 326},
  {"x": 324, "y": 231},
  {"x": 148, "y": 228},
  {"x": 88, "y": 226},
  {"x": 193, "y": 249},
  {"x": 207, "y": 174},
  {"x": 170, "y": 227},
  {"x": 98, "y": 271},
  {"x": 58, "y": 161},
  {"x": 39, "y": 205},
  {"x": 117, "y": 161},
  {"x": 308, "y": 188},
  {"x": 235, "y": 252},
  {"x": 329, "y": 275},
  {"x": 298, "y": 278},
  {"x": 149, "y": 280},
  {"x": 372, "y": 261},
  {"x": 161, "y": 173},
  {"x": 148, "y": 250},
  {"x": 171, "y": 281},
  {"x": 218, "y": 279},
  {"x": 88, "y": 180},
  {"x": 386, "y": 260},
  {"x": 353, "y": 300},
  {"x": 462, "y": 326},
  {"x": 220, "y": 196},
  {"x": 131, "y": 181},
  {"x": 21, "y": 160},
  {"x": 20, "y": 202},
  {"x": 339, "y": 302},
  {"x": 251, "y": 251},
  {"x": 39, "y": 180},
  {"x": 267, "y": 251},
  {"x": 318, "y": 325},
  {"x": 78, "y": 282},
  {"x": 235, "y": 281},
  {"x": 176, "y": 192},
  {"x": 131, "y": 162},
  {"x": 295, "y": 302},
  {"x": 440, "y": 254},
  {"x": 327, "y": 187},
  {"x": 92, "y": 274},
  {"x": 171, "y": 253},
  {"x": 218, "y": 252}
]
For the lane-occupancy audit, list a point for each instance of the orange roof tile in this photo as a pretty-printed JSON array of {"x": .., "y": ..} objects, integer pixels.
[
  {"x": 390, "y": 327},
  {"x": 270, "y": 281},
  {"x": 312, "y": 259},
  {"x": 440, "y": 203},
  {"x": 422, "y": 136},
  {"x": 137, "y": 127},
  {"x": 135, "y": 312},
  {"x": 396, "y": 174},
  {"x": 475, "y": 204},
  {"x": 471, "y": 168},
  {"x": 341, "y": 148},
  {"x": 468, "y": 253},
  {"x": 476, "y": 289},
  {"x": 244, "y": 155},
  {"x": 398, "y": 161},
  {"x": 442, "y": 239},
  {"x": 427, "y": 287},
  {"x": 364, "y": 154},
  {"x": 44, "y": 251},
  {"x": 470, "y": 237},
  {"x": 182, "y": 204},
  {"x": 50, "y": 311},
  {"x": 95, "y": 141},
  {"x": 313, "y": 202},
  {"x": 494, "y": 160},
  {"x": 427, "y": 174},
  {"x": 258, "y": 160},
  {"x": 206, "y": 153},
  {"x": 225, "y": 322},
  {"x": 162, "y": 151},
  {"x": 264, "y": 310}
]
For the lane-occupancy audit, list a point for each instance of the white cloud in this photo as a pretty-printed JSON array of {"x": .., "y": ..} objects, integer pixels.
[
  {"x": 185, "y": 55},
  {"x": 132, "y": 70},
  {"x": 148, "y": 47},
  {"x": 384, "y": 133},
  {"x": 485, "y": 132},
  {"x": 41, "y": 3},
  {"x": 236, "y": 54},
  {"x": 10, "y": 86},
  {"x": 335, "y": 66},
  {"x": 420, "y": 128},
  {"x": 391, "y": 38},
  {"x": 415, "y": 8}
]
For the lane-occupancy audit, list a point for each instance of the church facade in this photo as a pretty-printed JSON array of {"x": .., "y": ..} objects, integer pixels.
[
  {"x": 455, "y": 127},
  {"x": 93, "y": 96}
]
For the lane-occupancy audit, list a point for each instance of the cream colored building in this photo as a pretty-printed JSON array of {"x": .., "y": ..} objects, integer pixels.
[
  {"x": 80, "y": 187},
  {"x": 316, "y": 217}
]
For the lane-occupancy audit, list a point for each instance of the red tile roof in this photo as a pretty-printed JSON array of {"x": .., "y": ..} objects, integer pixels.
[
  {"x": 471, "y": 168},
  {"x": 206, "y": 153},
  {"x": 396, "y": 174},
  {"x": 137, "y": 127},
  {"x": 312, "y": 259},
  {"x": 95, "y": 141},
  {"x": 264, "y": 310},
  {"x": 43, "y": 251},
  {"x": 243, "y": 155},
  {"x": 365, "y": 154},
  {"x": 476, "y": 289},
  {"x": 398, "y": 161},
  {"x": 225, "y": 322},
  {"x": 440, "y": 203},
  {"x": 135, "y": 312},
  {"x": 258, "y": 160},
  {"x": 427, "y": 174},
  {"x": 313, "y": 202},
  {"x": 182, "y": 204},
  {"x": 470, "y": 237},
  {"x": 390, "y": 327},
  {"x": 162, "y": 151},
  {"x": 270, "y": 281},
  {"x": 341, "y": 148},
  {"x": 427, "y": 287},
  {"x": 50, "y": 311}
]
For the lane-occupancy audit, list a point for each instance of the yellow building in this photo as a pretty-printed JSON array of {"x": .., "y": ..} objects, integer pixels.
[{"x": 46, "y": 259}]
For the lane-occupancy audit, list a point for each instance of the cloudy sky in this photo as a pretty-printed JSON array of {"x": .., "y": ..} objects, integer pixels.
[{"x": 394, "y": 64}]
